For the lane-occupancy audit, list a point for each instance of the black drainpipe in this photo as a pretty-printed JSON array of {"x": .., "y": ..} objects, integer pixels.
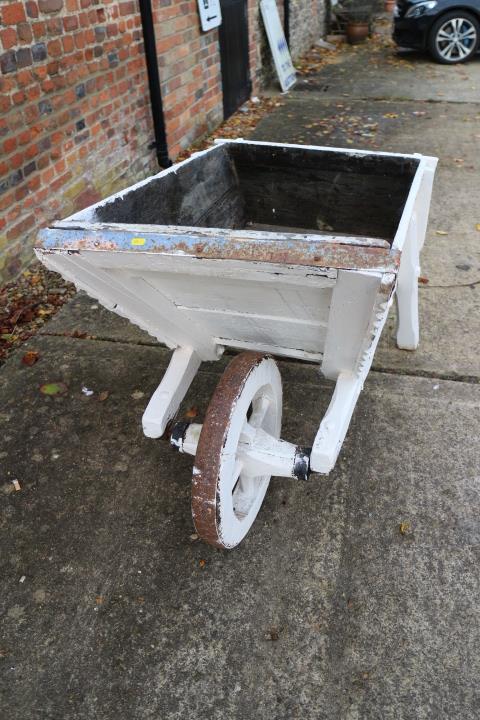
[
  {"x": 286, "y": 20},
  {"x": 156, "y": 104}
]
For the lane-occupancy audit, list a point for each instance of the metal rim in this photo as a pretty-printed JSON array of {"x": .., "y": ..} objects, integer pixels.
[
  {"x": 225, "y": 500},
  {"x": 456, "y": 39}
]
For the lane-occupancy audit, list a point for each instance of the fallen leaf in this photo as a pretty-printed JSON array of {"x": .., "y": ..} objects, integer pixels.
[
  {"x": 272, "y": 635},
  {"x": 30, "y": 358},
  {"x": 137, "y": 395},
  {"x": 390, "y": 115},
  {"x": 404, "y": 527},
  {"x": 99, "y": 599},
  {"x": 192, "y": 412},
  {"x": 441, "y": 232},
  {"x": 55, "y": 388},
  {"x": 423, "y": 280},
  {"x": 103, "y": 395},
  {"x": 477, "y": 227},
  {"x": 202, "y": 563}
]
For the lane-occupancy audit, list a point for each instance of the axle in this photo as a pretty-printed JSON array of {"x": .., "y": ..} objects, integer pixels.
[{"x": 259, "y": 452}]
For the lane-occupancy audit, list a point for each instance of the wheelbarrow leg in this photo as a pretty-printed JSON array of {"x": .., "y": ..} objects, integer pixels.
[
  {"x": 407, "y": 291},
  {"x": 336, "y": 420},
  {"x": 166, "y": 399}
]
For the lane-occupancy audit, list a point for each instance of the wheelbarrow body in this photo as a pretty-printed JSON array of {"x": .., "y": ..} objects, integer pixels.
[{"x": 276, "y": 250}]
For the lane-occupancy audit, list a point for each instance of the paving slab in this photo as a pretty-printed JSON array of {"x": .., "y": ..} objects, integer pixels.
[
  {"x": 354, "y": 596},
  {"x": 84, "y": 315},
  {"x": 380, "y": 70}
]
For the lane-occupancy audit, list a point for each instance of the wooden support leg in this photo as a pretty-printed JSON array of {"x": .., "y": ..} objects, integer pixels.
[
  {"x": 166, "y": 399},
  {"x": 334, "y": 425},
  {"x": 407, "y": 292},
  {"x": 358, "y": 311}
]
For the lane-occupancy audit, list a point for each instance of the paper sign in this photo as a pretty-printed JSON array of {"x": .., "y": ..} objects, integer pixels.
[
  {"x": 210, "y": 14},
  {"x": 278, "y": 44}
]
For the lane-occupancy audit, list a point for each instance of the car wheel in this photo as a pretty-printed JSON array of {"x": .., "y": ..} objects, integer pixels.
[{"x": 454, "y": 37}]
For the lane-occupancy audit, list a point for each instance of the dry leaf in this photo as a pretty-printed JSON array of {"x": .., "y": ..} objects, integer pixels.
[
  {"x": 202, "y": 563},
  {"x": 441, "y": 232},
  {"x": 404, "y": 527},
  {"x": 272, "y": 634},
  {"x": 103, "y": 395},
  {"x": 192, "y": 412},
  {"x": 30, "y": 358},
  {"x": 99, "y": 599},
  {"x": 423, "y": 280},
  {"x": 477, "y": 227}
]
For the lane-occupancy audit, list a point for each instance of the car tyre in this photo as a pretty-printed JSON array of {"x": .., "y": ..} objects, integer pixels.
[{"x": 454, "y": 37}]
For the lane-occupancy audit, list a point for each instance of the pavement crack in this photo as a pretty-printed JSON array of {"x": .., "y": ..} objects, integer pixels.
[
  {"x": 324, "y": 96},
  {"x": 429, "y": 374},
  {"x": 100, "y": 338},
  {"x": 460, "y": 285}
]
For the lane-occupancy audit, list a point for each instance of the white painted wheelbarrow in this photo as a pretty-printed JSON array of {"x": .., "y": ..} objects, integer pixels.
[{"x": 285, "y": 250}]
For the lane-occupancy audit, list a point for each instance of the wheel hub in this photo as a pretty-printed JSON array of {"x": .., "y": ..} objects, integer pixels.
[{"x": 456, "y": 39}]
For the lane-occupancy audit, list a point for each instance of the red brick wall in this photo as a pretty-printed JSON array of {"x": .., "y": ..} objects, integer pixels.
[
  {"x": 189, "y": 66},
  {"x": 74, "y": 116}
]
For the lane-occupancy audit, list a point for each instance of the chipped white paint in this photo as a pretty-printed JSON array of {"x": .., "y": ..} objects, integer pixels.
[
  {"x": 197, "y": 306},
  {"x": 336, "y": 420},
  {"x": 242, "y": 487},
  {"x": 166, "y": 399},
  {"x": 258, "y": 451}
]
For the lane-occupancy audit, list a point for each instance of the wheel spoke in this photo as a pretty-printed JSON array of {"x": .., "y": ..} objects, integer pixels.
[
  {"x": 443, "y": 35},
  {"x": 244, "y": 494},
  {"x": 235, "y": 477},
  {"x": 468, "y": 34},
  {"x": 462, "y": 50},
  {"x": 260, "y": 409},
  {"x": 447, "y": 51}
]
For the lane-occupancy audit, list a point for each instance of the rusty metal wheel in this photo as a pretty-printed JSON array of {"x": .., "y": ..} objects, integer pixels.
[{"x": 226, "y": 492}]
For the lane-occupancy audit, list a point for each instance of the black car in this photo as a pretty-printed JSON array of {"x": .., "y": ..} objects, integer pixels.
[{"x": 448, "y": 29}]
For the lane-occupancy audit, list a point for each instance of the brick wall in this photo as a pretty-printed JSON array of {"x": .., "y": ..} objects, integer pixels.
[
  {"x": 189, "y": 65},
  {"x": 75, "y": 122},
  {"x": 75, "y": 119}
]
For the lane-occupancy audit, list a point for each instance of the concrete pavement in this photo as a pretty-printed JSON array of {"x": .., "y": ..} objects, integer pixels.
[{"x": 355, "y": 596}]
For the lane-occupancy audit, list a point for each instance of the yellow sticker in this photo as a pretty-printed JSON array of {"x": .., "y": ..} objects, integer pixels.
[{"x": 138, "y": 241}]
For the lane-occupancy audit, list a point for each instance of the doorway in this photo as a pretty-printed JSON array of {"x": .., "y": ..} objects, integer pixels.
[{"x": 233, "y": 36}]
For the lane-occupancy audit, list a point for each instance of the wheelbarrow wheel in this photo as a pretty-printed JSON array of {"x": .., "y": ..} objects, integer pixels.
[{"x": 225, "y": 499}]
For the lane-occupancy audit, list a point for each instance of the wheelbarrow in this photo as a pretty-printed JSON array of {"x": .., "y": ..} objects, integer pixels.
[{"x": 275, "y": 250}]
